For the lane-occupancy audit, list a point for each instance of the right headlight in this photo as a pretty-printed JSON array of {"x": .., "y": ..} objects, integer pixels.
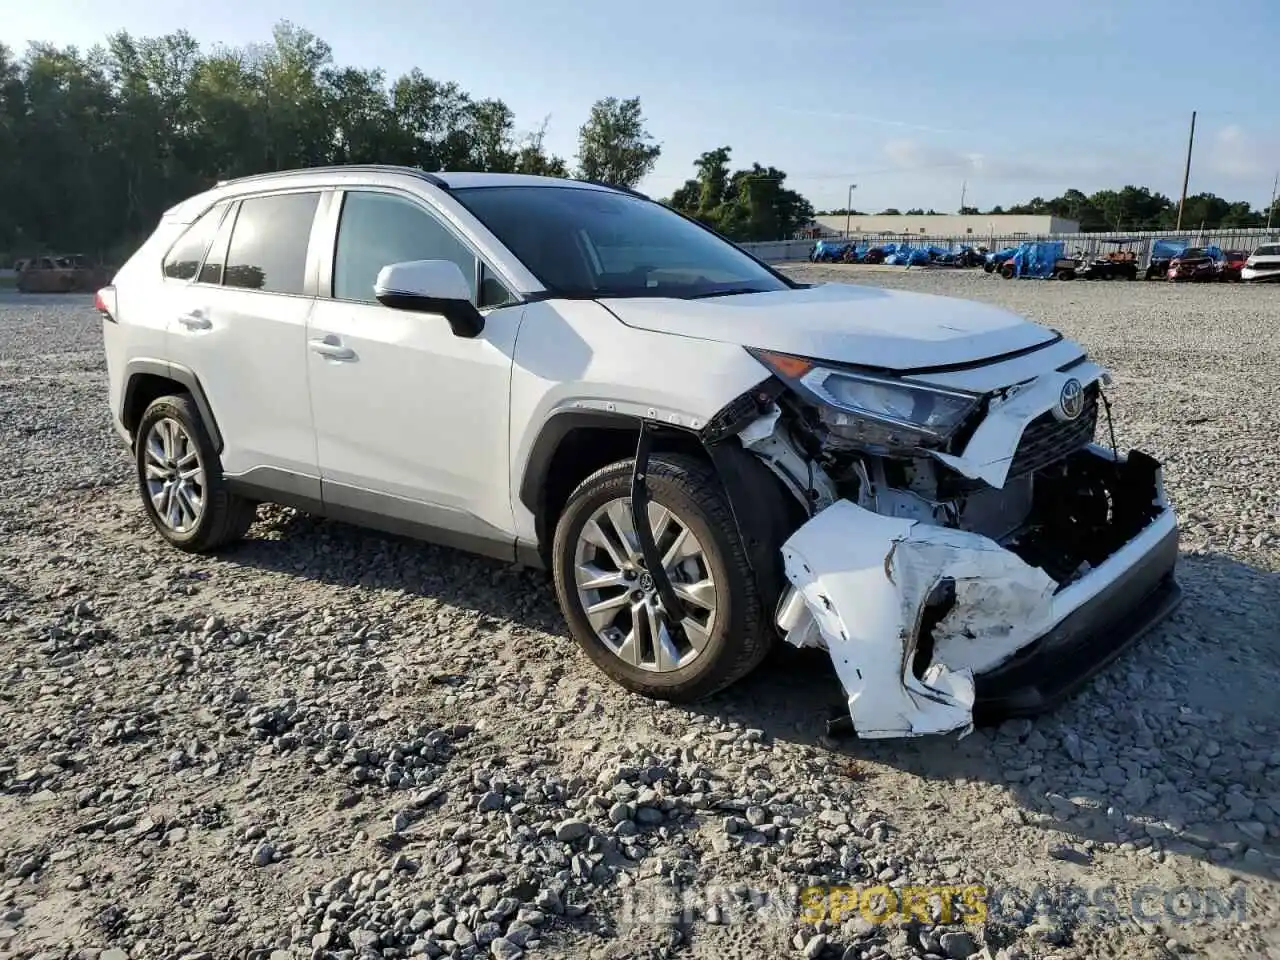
[{"x": 873, "y": 410}]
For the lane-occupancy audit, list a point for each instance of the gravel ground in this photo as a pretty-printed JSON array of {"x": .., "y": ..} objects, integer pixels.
[{"x": 329, "y": 743}]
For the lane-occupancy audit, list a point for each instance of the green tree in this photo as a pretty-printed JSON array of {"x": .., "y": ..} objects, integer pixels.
[
  {"x": 747, "y": 204},
  {"x": 613, "y": 145},
  {"x": 97, "y": 145}
]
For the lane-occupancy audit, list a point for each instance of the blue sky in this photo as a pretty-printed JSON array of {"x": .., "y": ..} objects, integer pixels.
[{"x": 907, "y": 99}]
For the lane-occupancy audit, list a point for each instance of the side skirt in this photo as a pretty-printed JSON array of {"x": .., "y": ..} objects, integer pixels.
[{"x": 382, "y": 512}]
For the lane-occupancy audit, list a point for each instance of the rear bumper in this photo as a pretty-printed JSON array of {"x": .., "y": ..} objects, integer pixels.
[{"x": 1052, "y": 668}]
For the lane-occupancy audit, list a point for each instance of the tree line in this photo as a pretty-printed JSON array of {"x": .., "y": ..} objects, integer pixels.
[
  {"x": 98, "y": 144},
  {"x": 1129, "y": 208}
]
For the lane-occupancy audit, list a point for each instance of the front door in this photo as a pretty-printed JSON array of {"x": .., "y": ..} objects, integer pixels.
[{"x": 412, "y": 421}]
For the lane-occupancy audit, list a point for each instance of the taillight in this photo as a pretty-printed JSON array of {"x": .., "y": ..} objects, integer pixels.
[{"x": 104, "y": 301}]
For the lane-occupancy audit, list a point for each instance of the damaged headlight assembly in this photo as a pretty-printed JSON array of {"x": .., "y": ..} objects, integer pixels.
[{"x": 877, "y": 413}]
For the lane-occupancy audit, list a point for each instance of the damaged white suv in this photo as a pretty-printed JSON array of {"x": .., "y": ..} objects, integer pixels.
[{"x": 706, "y": 454}]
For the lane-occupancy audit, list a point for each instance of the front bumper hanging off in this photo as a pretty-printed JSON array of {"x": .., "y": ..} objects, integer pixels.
[{"x": 1012, "y": 641}]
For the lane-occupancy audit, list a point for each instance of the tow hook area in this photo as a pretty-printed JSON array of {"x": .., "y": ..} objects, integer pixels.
[{"x": 864, "y": 584}]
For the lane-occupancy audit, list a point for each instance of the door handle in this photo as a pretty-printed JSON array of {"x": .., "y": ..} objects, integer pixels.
[
  {"x": 195, "y": 320},
  {"x": 331, "y": 349}
]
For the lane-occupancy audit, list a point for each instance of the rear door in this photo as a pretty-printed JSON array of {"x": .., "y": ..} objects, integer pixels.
[{"x": 240, "y": 326}]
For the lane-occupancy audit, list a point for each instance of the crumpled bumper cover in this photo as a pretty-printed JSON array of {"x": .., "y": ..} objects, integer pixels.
[{"x": 1012, "y": 643}]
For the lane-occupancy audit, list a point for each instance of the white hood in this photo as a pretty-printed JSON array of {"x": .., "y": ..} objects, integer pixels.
[{"x": 869, "y": 326}]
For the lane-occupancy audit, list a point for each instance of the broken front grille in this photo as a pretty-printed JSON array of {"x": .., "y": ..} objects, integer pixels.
[{"x": 1047, "y": 439}]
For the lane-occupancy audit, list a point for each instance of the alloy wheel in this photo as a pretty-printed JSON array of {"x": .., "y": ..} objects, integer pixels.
[
  {"x": 174, "y": 475},
  {"x": 618, "y": 593}
]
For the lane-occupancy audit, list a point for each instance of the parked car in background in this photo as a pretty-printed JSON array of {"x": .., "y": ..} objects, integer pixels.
[
  {"x": 60, "y": 273},
  {"x": 1194, "y": 264},
  {"x": 1232, "y": 264},
  {"x": 1162, "y": 252},
  {"x": 1263, "y": 264}
]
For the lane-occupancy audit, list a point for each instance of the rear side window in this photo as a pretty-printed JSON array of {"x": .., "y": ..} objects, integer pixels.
[
  {"x": 268, "y": 249},
  {"x": 216, "y": 257},
  {"x": 378, "y": 229},
  {"x": 183, "y": 259}
]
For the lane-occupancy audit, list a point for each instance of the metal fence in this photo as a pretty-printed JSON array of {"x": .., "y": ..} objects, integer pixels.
[{"x": 1244, "y": 238}]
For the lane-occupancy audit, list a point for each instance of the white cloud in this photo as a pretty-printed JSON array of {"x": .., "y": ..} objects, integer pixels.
[
  {"x": 1237, "y": 154},
  {"x": 910, "y": 155},
  {"x": 914, "y": 155}
]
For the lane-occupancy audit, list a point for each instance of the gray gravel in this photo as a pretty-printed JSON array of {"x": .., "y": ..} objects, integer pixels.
[{"x": 328, "y": 743}]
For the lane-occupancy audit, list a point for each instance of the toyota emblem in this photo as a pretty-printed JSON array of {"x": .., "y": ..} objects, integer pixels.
[{"x": 1071, "y": 400}]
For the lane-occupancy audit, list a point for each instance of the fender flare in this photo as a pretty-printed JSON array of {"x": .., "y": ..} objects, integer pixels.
[
  {"x": 136, "y": 369},
  {"x": 554, "y": 429}
]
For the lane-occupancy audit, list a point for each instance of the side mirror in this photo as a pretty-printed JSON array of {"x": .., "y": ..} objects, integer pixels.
[{"x": 430, "y": 286}]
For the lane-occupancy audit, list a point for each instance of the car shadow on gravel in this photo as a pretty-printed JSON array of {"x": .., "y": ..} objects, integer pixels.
[
  {"x": 1172, "y": 748},
  {"x": 1148, "y": 753},
  {"x": 313, "y": 548}
]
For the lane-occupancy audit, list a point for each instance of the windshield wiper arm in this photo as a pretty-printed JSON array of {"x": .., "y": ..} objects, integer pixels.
[{"x": 731, "y": 292}]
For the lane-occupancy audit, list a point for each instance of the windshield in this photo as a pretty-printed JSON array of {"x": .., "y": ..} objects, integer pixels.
[
  {"x": 591, "y": 243},
  {"x": 1266, "y": 251},
  {"x": 1191, "y": 253}
]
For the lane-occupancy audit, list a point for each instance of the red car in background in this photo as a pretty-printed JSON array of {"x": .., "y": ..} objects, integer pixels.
[{"x": 1233, "y": 262}]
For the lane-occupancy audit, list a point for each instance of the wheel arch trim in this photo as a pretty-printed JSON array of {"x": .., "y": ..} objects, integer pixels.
[
  {"x": 611, "y": 415},
  {"x": 184, "y": 377}
]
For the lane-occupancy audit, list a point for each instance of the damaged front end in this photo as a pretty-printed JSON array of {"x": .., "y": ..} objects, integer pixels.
[{"x": 964, "y": 554}]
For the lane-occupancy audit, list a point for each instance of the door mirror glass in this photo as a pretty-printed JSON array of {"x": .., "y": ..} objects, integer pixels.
[{"x": 430, "y": 286}]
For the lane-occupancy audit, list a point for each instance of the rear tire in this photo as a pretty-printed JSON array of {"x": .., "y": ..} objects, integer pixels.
[
  {"x": 180, "y": 479},
  {"x": 738, "y": 636}
]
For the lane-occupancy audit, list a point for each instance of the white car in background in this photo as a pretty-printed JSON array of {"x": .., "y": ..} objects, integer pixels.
[
  {"x": 1263, "y": 264},
  {"x": 707, "y": 454}
]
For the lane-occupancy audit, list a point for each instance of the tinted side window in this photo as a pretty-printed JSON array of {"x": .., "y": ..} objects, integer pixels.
[
  {"x": 268, "y": 249},
  {"x": 377, "y": 229},
  {"x": 493, "y": 292},
  {"x": 183, "y": 259},
  {"x": 216, "y": 257}
]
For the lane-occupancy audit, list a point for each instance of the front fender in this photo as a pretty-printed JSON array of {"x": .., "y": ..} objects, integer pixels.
[{"x": 576, "y": 363}]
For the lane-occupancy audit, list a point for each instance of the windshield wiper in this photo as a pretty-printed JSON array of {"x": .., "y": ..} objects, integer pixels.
[{"x": 731, "y": 292}]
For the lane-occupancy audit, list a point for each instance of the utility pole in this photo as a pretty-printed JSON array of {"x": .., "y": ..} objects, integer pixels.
[
  {"x": 848, "y": 209},
  {"x": 1272, "y": 206},
  {"x": 1186, "y": 176}
]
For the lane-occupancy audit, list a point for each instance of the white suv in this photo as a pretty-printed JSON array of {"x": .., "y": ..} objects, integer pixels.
[
  {"x": 705, "y": 453},
  {"x": 1263, "y": 264}
]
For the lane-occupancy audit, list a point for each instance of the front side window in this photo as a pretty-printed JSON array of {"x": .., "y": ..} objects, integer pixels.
[
  {"x": 183, "y": 259},
  {"x": 268, "y": 249},
  {"x": 378, "y": 229},
  {"x": 591, "y": 243}
]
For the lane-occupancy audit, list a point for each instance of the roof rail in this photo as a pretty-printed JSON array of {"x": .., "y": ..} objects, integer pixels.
[{"x": 418, "y": 172}]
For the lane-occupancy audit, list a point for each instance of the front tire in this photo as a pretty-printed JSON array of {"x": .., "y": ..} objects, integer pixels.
[
  {"x": 608, "y": 600},
  {"x": 180, "y": 479}
]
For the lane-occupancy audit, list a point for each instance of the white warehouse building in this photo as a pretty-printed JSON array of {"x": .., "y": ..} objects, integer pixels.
[{"x": 946, "y": 225}]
